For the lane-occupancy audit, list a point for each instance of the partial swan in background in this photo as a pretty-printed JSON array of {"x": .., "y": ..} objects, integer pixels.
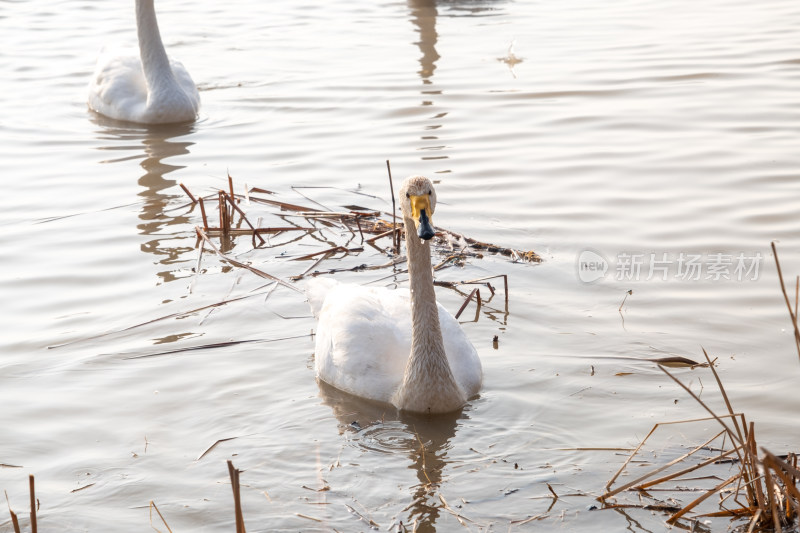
[
  {"x": 378, "y": 344},
  {"x": 149, "y": 89}
]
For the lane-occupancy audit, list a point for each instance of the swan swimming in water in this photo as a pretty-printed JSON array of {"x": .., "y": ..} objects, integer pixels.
[
  {"x": 380, "y": 344},
  {"x": 149, "y": 88}
]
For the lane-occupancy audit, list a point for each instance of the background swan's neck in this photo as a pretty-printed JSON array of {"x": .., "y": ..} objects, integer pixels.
[
  {"x": 428, "y": 384},
  {"x": 155, "y": 62}
]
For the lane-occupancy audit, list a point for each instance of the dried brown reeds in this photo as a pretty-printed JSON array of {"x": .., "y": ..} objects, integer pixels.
[
  {"x": 34, "y": 505},
  {"x": 764, "y": 488},
  {"x": 367, "y": 225}
]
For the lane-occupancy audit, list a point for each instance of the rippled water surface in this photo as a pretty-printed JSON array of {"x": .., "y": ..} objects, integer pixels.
[{"x": 657, "y": 140}]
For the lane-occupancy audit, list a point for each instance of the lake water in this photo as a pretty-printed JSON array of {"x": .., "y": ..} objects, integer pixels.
[{"x": 657, "y": 140}]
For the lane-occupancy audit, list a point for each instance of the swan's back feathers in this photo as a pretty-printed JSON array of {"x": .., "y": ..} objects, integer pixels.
[
  {"x": 363, "y": 340},
  {"x": 317, "y": 290},
  {"x": 119, "y": 90},
  {"x": 145, "y": 87}
]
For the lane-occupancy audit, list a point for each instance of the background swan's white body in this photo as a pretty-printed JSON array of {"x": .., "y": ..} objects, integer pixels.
[
  {"x": 148, "y": 88},
  {"x": 363, "y": 341}
]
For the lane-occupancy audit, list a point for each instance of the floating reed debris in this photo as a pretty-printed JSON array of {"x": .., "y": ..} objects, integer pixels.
[
  {"x": 368, "y": 223},
  {"x": 764, "y": 489},
  {"x": 239, "y": 264},
  {"x": 161, "y": 516}
]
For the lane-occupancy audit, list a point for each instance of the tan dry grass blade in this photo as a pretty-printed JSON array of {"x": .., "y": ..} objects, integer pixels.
[
  {"x": 702, "y": 498},
  {"x": 14, "y": 520},
  {"x": 477, "y": 294},
  {"x": 693, "y": 395},
  {"x": 639, "y": 447},
  {"x": 792, "y": 313},
  {"x": 163, "y": 521},
  {"x": 218, "y": 441},
  {"x": 724, "y": 396},
  {"x": 657, "y": 470},
  {"x": 234, "y": 262},
  {"x": 688, "y": 470}
]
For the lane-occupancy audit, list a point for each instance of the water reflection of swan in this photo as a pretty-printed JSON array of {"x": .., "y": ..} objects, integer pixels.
[
  {"x": 149, "y": 88},
  {"x": 365, "y": 335},
  {"x": 153, "y": 145},
  {"x": 425, "y": 439}
]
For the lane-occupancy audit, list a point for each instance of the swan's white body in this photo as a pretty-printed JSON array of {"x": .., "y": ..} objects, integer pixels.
[
  {"x": 148, "y": 88},
  {"x": 391, "y": 346}
]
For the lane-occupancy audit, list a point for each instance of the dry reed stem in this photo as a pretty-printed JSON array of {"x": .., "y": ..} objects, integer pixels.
[
  {"x": 693, "y": 395},
  {"x": 34, "y": 527},
  {"x": 213, "y": 345},
  {"x": 380, "y": 236},
  {"x": 285, "y": 205},
  {"x": 461, "y": 518},
  {"x": 218, "y": 441},
  {"x": 776, "y": 520},
  {"x": 358, "y": 223},
  {"x": 14, "y": 520},
  {"x": 477, "y": 294},
  {"x": 230, "y": 199},
  {"x": 639, "y": 479},
  {"x": 203, "y": 213},
  {"x": 237, "y": 502},
  {"x": 395, "y": 232},
  {"x": 639, "y": 447},
  {"x": 234, "y": 262},
  {"x": 329, "y": 251},
  {"x": 192, "y": 198},
  {"x": 529, "y": 519},
  {"x": 224, "y": 224},
  {"x": 790, "y": 488},
  {"x": 668, "y": 477},
  {"x": 154, "y": 506},
  {"x": 792, "y": 313},
  {"x": 754, "y": 521},
  {"x": 751, "y": 461},
  {"x": 311, "y": 267},
  {"x": 724, "y": 396},
  {"x": 213, "y": 232},
  {"x": 701, "y": 499},
  {"x": 180, "y": 314}
]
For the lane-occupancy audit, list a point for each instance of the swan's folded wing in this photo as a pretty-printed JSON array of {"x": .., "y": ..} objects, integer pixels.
[{"x": 363, "y": 340}]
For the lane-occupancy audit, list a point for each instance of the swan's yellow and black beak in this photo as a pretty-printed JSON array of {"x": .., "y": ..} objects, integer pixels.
[{"x": 420, "y": 213}]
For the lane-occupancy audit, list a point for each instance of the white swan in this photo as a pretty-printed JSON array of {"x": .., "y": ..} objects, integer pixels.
[
  {"x": 379, "y": 344},
  {"x": 149, "y": 88}
]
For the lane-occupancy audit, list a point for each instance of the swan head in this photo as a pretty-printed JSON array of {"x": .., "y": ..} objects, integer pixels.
[{"x": 418, "y": 202}]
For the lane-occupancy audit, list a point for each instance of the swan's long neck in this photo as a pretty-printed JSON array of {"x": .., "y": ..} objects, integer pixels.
[
  {"x": 428, "y": 384},
  {"x": 155, "y": 62}
]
